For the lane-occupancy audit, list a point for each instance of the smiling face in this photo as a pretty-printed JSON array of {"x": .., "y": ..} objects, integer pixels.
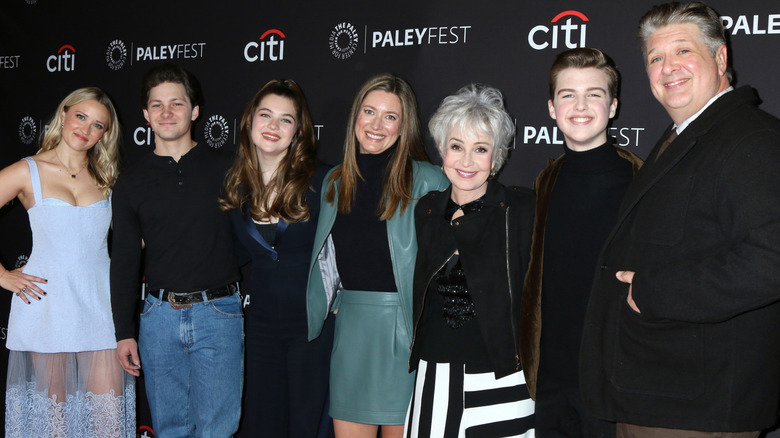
[
  {"x": 683, "y": 74},
  {"x": 467, "y": 163},
  {"x": 170, "y": 112},
  {"x": 274, "y": 125},
  {"x": 84, "y": 124},
  {"x": 582, "y": 107},
  {"x": 379, "y": 122}
]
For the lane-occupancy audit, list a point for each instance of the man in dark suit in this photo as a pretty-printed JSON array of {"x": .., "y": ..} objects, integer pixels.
[{"x": 682, "y": 332}]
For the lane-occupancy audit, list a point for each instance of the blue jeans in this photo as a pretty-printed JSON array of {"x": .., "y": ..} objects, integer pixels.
[{"x": 193, "y": 362}]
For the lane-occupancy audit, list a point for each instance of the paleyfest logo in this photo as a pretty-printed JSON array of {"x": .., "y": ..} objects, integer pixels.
[
  {"x": 543, "y": 36},
  {"x": 116, "y": 55},
  {"x": 755, "y": 25},
  {"x": 343, "y": 40}
]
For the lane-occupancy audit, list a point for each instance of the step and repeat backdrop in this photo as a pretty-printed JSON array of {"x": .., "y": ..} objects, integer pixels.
[{"x": 50, "y": 47}]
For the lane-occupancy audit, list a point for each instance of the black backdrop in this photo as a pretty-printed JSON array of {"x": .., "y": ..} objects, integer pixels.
[{"x": 50, "y": 47}]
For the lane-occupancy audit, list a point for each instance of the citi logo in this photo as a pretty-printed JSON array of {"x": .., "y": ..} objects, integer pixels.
[
  {"x": 64, "y": 60},
  {"x": 142, "y": 136},
  {"x": 271, "y": 48},
  {"x": 572, "y": 33}
]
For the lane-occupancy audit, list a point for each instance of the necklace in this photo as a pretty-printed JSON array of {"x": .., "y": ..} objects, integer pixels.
[{"x": 72, "y": 175}]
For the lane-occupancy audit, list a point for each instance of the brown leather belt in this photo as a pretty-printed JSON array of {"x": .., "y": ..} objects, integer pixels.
[{"x": 182, "y": 300}]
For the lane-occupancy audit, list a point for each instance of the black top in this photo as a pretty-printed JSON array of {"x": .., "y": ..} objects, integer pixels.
[
  {"x": 173, "y": 207},
  {"x": 448, "y": 331},
  {"x": 493, "y": 246},
  {"x": 583, "y": 209},
  {"x": 275, "y": 293},
  {"x": 267, "y": 232},
  {"x": 360, "y": 238}
]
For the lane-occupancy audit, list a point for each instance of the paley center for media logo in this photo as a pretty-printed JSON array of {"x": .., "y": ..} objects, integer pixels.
[
  {"x": 270, "y": 47},
  {"x": 27, "y": 130},
  {"x": 343, "y": 41},
  {"x": 116, "y": 54},
  {"x": 216, "y": 131},
  {"x": 64, "y": 60},
  {"x": 568, "y": 25}
]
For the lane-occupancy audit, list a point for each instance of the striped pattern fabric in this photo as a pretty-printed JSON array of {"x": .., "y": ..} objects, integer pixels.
[{"x": 448, "y": 402}]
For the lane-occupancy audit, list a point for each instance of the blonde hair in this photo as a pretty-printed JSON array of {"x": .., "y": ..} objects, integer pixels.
[{"x": 103, "y": 157}]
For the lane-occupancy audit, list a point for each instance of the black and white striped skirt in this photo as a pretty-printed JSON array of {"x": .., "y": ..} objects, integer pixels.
[{"x": 448, "y": 402}]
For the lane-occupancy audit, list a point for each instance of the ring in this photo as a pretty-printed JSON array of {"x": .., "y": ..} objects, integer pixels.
[
  {"x": 19, "y": 293},
  {"x": 23, "y": 290}
]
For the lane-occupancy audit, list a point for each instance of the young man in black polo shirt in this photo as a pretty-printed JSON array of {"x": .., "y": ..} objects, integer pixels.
[{"x": 191, "y": 332}]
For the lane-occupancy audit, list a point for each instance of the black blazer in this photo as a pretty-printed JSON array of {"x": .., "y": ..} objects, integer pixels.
[
  {"x": 489, "y": 242},
  {"x": 701, "y": 229},
  {"x": 278, "y": 275}
]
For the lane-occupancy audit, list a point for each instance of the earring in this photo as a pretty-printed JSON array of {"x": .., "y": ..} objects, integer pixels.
[
  {"x": 492, "y": 172},
  {"x": 442, "y": 170},
  {"x": 62, "y": 126}
]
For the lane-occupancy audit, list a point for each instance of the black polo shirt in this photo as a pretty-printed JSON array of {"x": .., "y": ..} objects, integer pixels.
[{"x": 173, "y": 207}]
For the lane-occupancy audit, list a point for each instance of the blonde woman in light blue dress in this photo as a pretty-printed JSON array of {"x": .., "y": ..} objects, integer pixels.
[{"x": 63, "y": 375}]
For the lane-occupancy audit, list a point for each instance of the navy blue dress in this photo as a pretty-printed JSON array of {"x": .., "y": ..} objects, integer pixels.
[{"x": 286, "y": 384}]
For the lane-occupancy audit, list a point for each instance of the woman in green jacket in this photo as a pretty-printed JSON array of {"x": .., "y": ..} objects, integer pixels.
[{"x": 364, "y": 255}]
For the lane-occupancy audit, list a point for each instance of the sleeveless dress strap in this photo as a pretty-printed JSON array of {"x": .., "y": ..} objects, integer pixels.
[{"x": 35, "y": 178}]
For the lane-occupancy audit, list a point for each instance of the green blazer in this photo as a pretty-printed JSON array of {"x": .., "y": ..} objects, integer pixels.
[{"x": 324, "y": 282}]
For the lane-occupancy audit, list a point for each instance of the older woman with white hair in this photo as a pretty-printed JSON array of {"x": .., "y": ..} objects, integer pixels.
[{"x": 473, "y": 247}]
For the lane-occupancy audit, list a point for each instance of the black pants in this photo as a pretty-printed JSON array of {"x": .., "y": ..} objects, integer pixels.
[
  {"x": 286, "y": 384},
  {"x": 560, "y": 414}
]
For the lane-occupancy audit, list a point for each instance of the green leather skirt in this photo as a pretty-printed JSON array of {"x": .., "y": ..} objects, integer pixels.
[{"x": 370, "y": 381}]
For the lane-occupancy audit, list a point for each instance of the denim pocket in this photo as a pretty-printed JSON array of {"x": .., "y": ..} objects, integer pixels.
[
  {"x": 227, "y": 306},
  {"x": 149, "y": 304}
]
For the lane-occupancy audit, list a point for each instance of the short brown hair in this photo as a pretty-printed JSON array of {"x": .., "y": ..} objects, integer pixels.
[
  {"x": 174, "y": 74},
  {"x": 585, "y": 57}
]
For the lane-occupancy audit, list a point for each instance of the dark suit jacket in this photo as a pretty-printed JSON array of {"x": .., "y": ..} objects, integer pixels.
[
  {"x": 277, "y": 286},
  {"x": 701, "y": 229}
]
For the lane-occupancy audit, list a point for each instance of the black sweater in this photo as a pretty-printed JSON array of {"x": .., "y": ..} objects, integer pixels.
[{"x": 583, "y": 209}]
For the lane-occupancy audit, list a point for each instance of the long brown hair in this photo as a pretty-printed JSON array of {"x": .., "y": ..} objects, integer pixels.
[
  {"x": 397, "y": 184},
  {"x": 292, "y": 177},
  {"x": 103, "y": 157}
]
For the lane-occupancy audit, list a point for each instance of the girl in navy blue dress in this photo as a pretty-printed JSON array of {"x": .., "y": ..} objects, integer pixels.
[{"x": 273, "y": 194}]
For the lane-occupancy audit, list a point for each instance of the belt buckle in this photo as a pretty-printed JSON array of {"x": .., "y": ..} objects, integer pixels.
[{"x": 174, "y": 305}]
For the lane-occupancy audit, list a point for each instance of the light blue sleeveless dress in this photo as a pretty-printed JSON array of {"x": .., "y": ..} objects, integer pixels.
[{"x": 63, "y": 376}]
